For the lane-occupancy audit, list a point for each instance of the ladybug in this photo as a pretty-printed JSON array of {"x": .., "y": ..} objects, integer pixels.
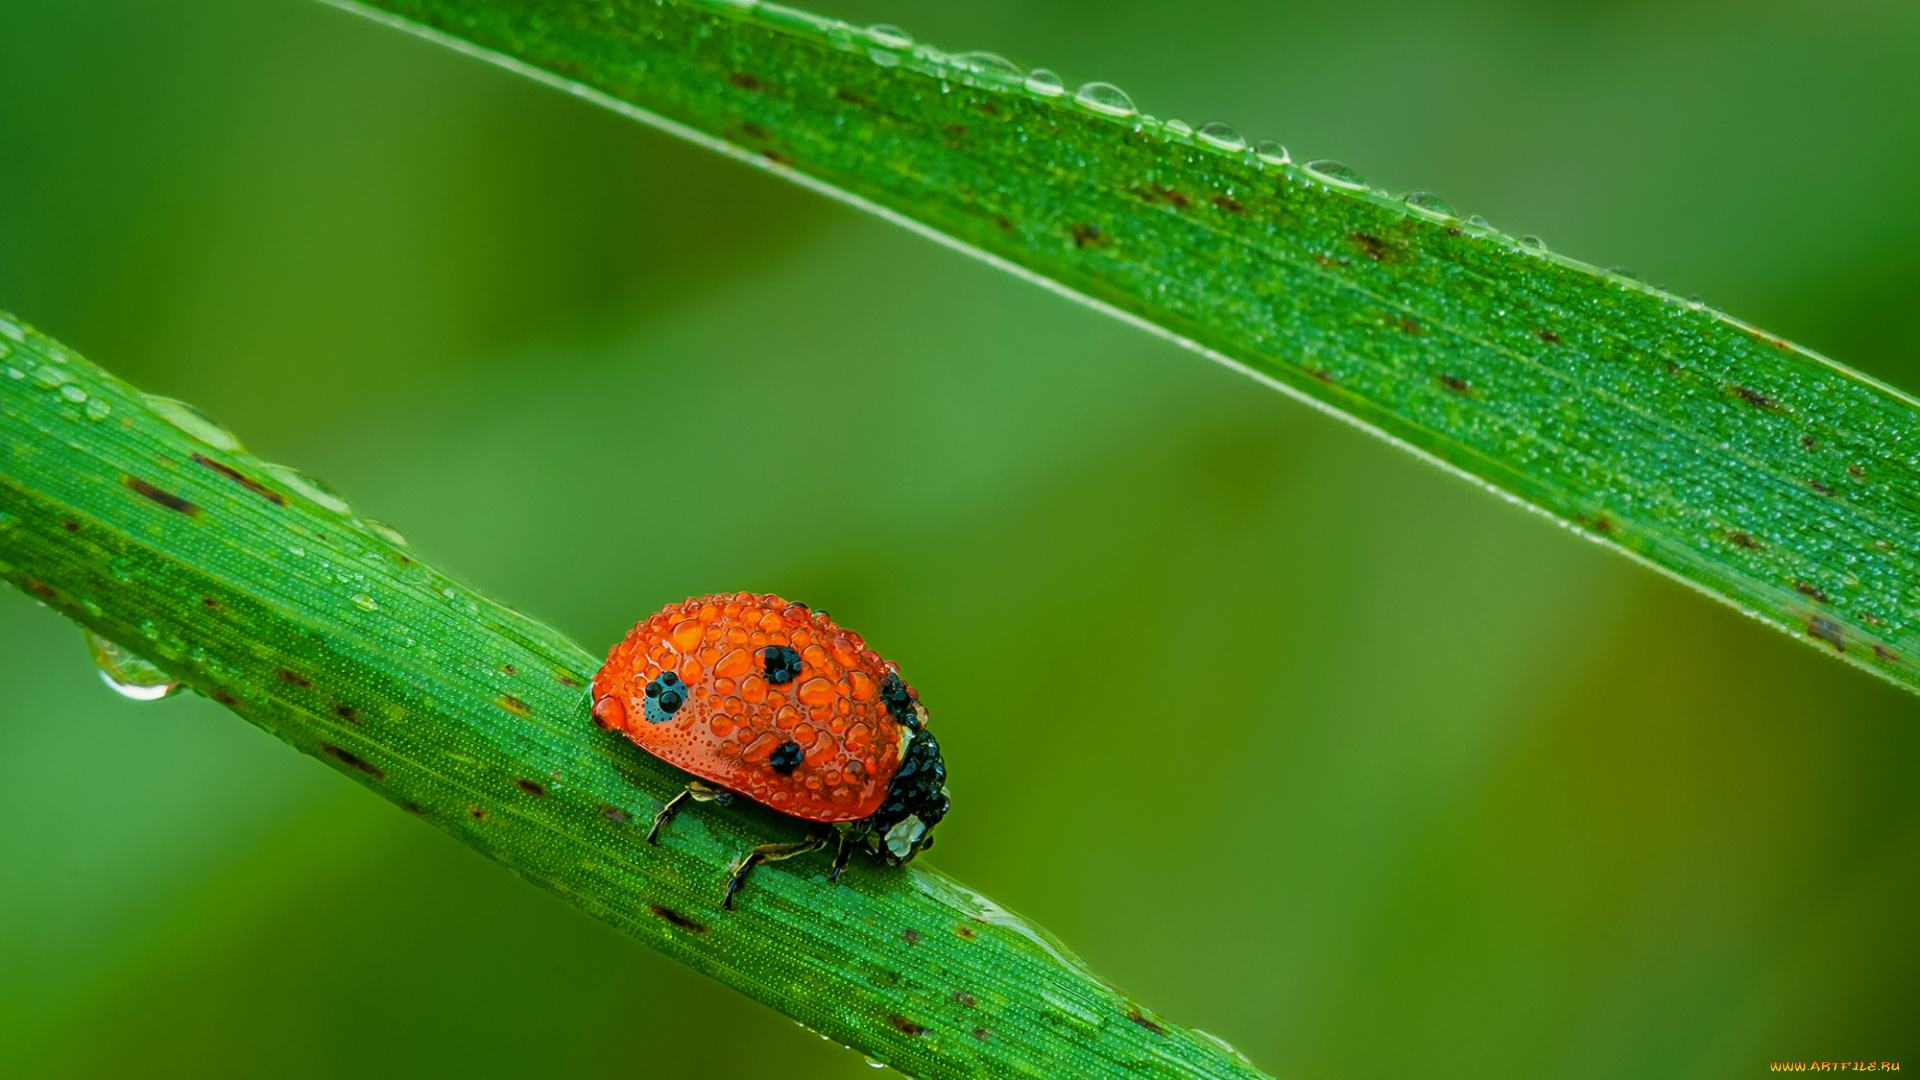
[{"x": 769, "y": 700}]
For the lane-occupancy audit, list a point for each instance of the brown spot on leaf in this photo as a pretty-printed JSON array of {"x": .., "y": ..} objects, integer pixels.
[
  {"x": 1603, "y": 524},
  {"x": 1806, "y": 442},
  {"x": 224, "y": 698},
  {"x": 965, "y": 931},
  {"x": 745, "y": 81},
  {"x": 677, "y": 919},
  {"x": 777, "y": 158},
  {"x": 243, "y": 480},
  {"x": 210, "y": 603},
  {"x": 966, "y": 999},
  {"x": 170, "y": 501},
  {"x": 1373, "y": 247},
  {"x": 1808, "y": 589},
  {"x": 1744, "y": 540},
  {"x": 1323, "y": 376},
  {"x": 40, "y": 589},
  {"x": 1140, "y": 1018},
  {"x": 531, "y": 788},
  {"x": 1819, "y": 487},
  {"x": 955, "y": 130},
  {"x": 1002, "y": 223},
  {"x": 567, "y": 680},
  {"x": 1086, "y": 235},
  {"x": 295, "y": 678},
  {"x": 1548, "y": 336},
  {"x": 906, "y": 1026},
  {"x": 415, "y": 809},
  {"x": 70, "y": 526},
  {"x": 754, "y": 131},
  {"x": 1230, "y": 204},
  {"x": 1885, "y": 653},
  {"x": 1828, "y": 631},
  {"x": 613, "y": 813},
  {"x": 979, "y": 1033},
  {"x": 477, "y": 813},
  {"x": 1456, "y": 384},
  {"x": 1411, "y": 327},
  {"x": 354, "y": 761},
  {"x": 849, "y": 97},
  {"x": 1856, "y": 472},
  {"x": 514, "y": 705},
  {"x": 1753, "y": 397},
  {"x": 345, "y": 712},
  {"x": 911, "y": 937}
]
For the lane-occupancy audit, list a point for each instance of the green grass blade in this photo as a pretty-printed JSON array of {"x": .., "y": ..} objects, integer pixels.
[
  {"x": 256, "y": 586},
  {"x": 1743, "y": 465}
]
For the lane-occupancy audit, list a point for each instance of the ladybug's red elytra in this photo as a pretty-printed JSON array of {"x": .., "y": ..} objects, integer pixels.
[{"x": 767, "y": 699}]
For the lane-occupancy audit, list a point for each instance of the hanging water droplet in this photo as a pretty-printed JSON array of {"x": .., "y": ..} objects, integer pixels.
[
  {"x": 362, "y": 600},
  {"x": 1479, "y": 222},
  {"x": 1429, "y": 202},
  {"x": 387, "y": 532},
  {"x": 1044, "y": 83},
  {"x": 873, "y": 1062},
  {"x": 97, "y": 409},
  {"x": 48, "y": 377},
  {"x": 1695, "y": 302},
  {"x": 889, "y": 36},
  {"x": 1336, "y": 173},
  {"x": 1177, "y": 129},
  {"x": 192, "y": 421},
  {"x": 1221, "y": 137},
  {"x": 986, "y": 61},
  {"x": 129, "y": 674},
  {"x": 313, "y": 490},
  {"x": 73, "y": 393},
  {"x": 1105, "y": 99},
  {"x": 1271, "y": 152},
  {"x": 1533, "y": 243}
]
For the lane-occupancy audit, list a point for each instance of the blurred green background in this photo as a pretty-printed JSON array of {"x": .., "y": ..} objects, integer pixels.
[{"x": 1449, "y": 792}]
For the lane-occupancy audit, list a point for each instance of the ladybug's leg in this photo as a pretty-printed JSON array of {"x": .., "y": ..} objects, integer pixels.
[
  {"x": 695, "y": 790},
  {"x": 840, "y": 857},
  {"x": 770, "y": 853}
]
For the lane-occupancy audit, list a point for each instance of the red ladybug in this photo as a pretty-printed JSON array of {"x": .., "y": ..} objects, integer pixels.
[{"x": 763, "y": 698}]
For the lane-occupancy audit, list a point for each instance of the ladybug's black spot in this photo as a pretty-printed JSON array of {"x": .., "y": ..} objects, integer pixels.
[
  {"x": 665, "y": 695},
  {"x": 785, "y": 758},
  {"x": 899, "y": 702},
  {"x": 783, "y": 664}
]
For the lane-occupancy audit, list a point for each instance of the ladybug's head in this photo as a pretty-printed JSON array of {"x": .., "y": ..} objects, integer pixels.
[{"x": 917, "y": 798}]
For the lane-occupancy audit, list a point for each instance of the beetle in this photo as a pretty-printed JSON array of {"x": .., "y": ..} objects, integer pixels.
[{"x": 771, "y": 701}]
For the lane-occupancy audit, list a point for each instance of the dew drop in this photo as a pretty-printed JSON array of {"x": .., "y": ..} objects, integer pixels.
[
  {"x": 1177, "y": 129},
  {"x": 97, "y": 409},
  {"x": 1271, "y": 152},
  {"x": 386, "y": 532},
  {"x": 989, "y": 62},
  {"x": 1221, "y": 137},
  {"x": 192, "y": 421},
  {"x": 127, "y": 673},
  {"x": 1044, "y": 83},
  {"x": 873, "y": 1062},
  {"x": 362, "y": 600},
  {"x": 1478, "y": 222},
  {"x": 48, "y": 377},
  {"x": 1337, "y": 174},
  {"x": 313, "y": 490},
  {"x": 1533, "y": 243},
  {"x": 15, "y": 373},
  {"x": 8, "y": 329},
  {"x": 889, "y": 36},
  {"x": 1105, "y": 99},
  {"x": 73, "y": 393},
  {"x": 1428, "y": 202},
  {"x": 1696, "y": 303}
]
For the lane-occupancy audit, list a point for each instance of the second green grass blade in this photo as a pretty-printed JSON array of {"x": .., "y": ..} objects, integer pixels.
[{"x": 1751, "y": 469}]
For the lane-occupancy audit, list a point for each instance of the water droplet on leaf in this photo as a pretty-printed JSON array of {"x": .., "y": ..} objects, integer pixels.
[
  {"x": 1271, "y": 152},
  {"x": 313, "y": 490},
  {"x": 1533, "y": 243},
  {"x": 8, "y": 329},
  {"x": 1044, "y": 83},
  {"x": 362, "y": 600},
  {"x": 97, "y": 409},
  {"x": 73, "y": 393},
  {"x": 192, "y": 421},
  {"x": 1428, "y": 202},
  {"x": 1337, "y": 174},
  {"x": 129, "y": 674},
  {"x": 48, "y": 377},
  {"x": 1105, "y": 99},
  {"x": 889, "y": 36},
  {"x": 1478, "y": 222},
  {"x": 1221, "y": 137},
  {"x": 386, "y": 532},
  {"x": 986, "y": 61},
  {"x": 1177, "y": 129}
]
